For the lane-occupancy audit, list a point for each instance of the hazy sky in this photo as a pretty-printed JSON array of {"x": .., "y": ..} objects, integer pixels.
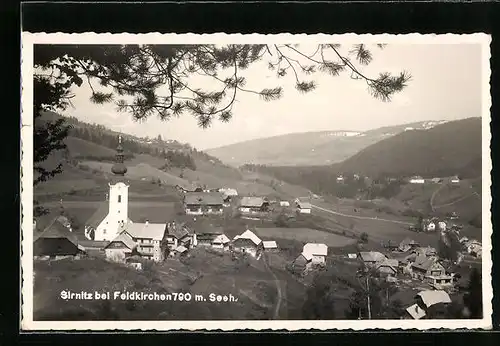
[{"x": 446, "y": 85}]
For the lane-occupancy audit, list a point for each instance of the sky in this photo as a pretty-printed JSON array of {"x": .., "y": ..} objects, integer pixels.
[{"x": 446, "y": 85}]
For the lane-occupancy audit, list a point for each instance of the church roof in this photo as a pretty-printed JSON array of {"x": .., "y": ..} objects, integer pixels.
[{"x": 98, "y": 216}]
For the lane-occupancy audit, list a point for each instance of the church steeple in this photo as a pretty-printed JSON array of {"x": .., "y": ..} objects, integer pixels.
[{"x": 119, "y": 167}]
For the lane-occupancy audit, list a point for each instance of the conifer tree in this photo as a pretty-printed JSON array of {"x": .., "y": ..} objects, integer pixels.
[{"x": 155, "y": 80}]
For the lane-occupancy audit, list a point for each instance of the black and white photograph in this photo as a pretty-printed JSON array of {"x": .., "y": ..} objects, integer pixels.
[{"x": 202, "y": 182}]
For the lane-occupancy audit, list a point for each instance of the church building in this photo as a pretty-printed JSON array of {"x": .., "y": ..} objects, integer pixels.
[{"x": 117, "y": 219}]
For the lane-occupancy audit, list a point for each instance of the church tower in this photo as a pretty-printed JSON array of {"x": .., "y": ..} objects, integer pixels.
[{"x": 117, "y": 218}]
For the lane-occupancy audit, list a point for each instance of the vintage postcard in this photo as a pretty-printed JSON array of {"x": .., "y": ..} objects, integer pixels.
[{"x": 255, "y": 182}]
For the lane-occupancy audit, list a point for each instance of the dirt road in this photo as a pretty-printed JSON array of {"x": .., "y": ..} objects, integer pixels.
[{"x": 278, "y": 288}]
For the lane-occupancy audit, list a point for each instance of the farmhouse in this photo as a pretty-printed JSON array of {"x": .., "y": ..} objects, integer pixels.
[
  {"x": 203, "y": 203},
  {"x": 179, "y": 234},
  {"x": 416, "y": 180},
  {"x": 149, "y": 238},
  {"x": 428, "y": 225},
  {"x": 120, "y": 248},
  {"x": 270, "y": 246},
  {"x": 387, "y": 268},
  {"x": 252, "y": 205},
  {"x": 247, "y": 242},
  {"x": 455, "y": 180},
  {"x": 371, "y": 258},
  {"x": 284, "y": 204},
  {"x": 315, "y": 253},
  {"x": 229, "y": 192},
  {"x": 303, "y": 205},
  {"x": 430, "y": 270},
  {"x": 474, "y": 248},
  {"x": 407, "y": 245},
  {"x": 221, "y": 242},
  {"x": 56, "y": 241},
  {"x": 340, "y": 179}
]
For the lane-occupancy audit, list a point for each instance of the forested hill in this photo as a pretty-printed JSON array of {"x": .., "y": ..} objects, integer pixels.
[
  {"x": 82, "y": 135},
  {"x": 453, "y": 148}
]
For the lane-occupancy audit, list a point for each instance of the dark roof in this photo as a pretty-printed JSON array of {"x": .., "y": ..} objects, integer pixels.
[
  {"x": 177, "y": 230},
  {"x": 423, "y": 262},
  {"x": 203, "y": 198},
  {"x": 98, "y": 216},
  {"x": 125, "y": 239},
  {"x": 56, "y": 230}
]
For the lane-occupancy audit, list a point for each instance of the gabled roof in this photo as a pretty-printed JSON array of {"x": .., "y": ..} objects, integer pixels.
[
  {"x": 252, "y": 201},
  {"x": 424, "y": 262},
  {"x": 125, "y": 239},
  {"x": 155, "y": 231},
  {"x": 372, "y": 256},
  {"x": 229, "y": 191},
  {"x": 392, "y": 263},
  {"x": 56, "y": 230},
  {"x": 415, "y": 311},
  {"x": 315, "y": 249},
  {"x": 250, "y": 236},
  {"x": 177, "y": 230},
  {"x": 430, "y": 298},
  {"x": 98, "y": 216},
  {"x": 221, "y": 238},
  {"x": 270, "y": 244},
  {"x": 180, "y": 249},
  {"x": 304, "y": 204},
  {"x": 203, "y": 198}
]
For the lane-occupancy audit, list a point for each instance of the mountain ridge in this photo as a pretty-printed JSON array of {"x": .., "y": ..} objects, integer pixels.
[{"x": 309, "y": 148}]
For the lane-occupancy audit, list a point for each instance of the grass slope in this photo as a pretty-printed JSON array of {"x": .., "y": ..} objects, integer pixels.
[{"x": 446, "y": 149}]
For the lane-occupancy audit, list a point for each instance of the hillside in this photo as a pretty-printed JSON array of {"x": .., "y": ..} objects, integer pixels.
[
  {"x": 444, "y": 150},
  {"x": 309, "y": 148},
  {"x": 91, "y": 151}
]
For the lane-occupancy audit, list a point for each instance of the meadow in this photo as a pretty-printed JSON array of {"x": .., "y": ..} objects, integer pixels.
[{"x": 304, "y": 235}]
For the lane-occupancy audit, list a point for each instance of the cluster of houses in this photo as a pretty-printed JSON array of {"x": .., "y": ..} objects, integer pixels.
[
  {"x": 472, "y": 247},
  {"x": 427, "y": 302},
  {"x": 454, "y": 180},
  {"x": 413, "y": 261}
]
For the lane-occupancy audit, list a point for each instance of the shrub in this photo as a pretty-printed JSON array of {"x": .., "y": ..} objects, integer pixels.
[{"x": 363, "y": 237}]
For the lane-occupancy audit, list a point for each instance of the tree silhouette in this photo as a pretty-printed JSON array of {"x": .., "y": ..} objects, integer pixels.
[
  {"x": 157, "y": 80},
  {"x": 473, "y": 299}
]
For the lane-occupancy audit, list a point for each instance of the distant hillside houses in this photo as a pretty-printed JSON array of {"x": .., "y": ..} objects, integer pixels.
[
  {"x": 203, "y": 203},
  {"x": 253, "y": 205},
  {"x": 313, "y": 254},
  {"x": 248, "y": 243},
  {"x": 303, "y": 205},
  {"x": 416, "y": 180}
]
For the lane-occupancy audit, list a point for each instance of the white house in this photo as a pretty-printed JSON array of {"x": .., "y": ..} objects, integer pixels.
[
  {"x": 248, "y": 243},
  {"x": 284, "y": 204},
  {"x": 315, "y": 253},
  {"x": 270, "y": 246},
  {"x": 442, "y": 225},
  {"x": 455, "y": 180},
  {"x": 148, "y": 237},
  {"x": 221, "y": 242},
  {"x": 304, "y": 206},
  {"x": 417, "y": 180},
  {"x": 340, "y": 178}
]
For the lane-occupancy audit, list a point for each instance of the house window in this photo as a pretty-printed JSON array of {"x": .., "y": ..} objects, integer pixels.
[{"x": 119, "y": 198}]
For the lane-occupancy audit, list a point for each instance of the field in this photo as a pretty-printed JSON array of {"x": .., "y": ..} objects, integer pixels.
[{"x": 304, "y": 235}]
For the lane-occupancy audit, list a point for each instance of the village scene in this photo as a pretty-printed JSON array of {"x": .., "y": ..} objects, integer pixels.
[{"x": 155, "y": 215}]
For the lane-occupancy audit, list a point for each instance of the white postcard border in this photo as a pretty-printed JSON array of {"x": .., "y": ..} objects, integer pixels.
[{"x": 29, "y": 39}]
